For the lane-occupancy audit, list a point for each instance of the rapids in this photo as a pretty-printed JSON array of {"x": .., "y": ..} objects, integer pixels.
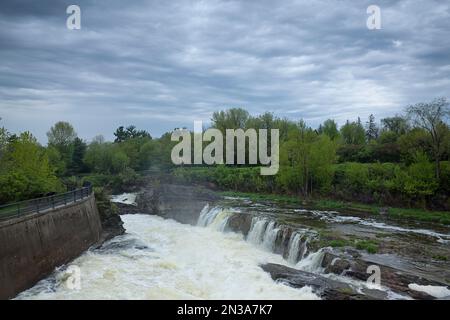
[{"x": 163, "y": 259}]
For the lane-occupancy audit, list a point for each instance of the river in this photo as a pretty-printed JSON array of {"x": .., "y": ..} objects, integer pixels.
[
  {"x": 163, "y": 259},
  {"x": 160, "y": 258}
]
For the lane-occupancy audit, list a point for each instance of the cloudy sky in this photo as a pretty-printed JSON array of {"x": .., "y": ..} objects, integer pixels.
[{"x": 163, "y": 64}]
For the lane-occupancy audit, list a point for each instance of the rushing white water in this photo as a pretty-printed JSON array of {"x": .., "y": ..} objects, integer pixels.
[
  {"x": 216, "y": 218},
  {"x": 257, "y": 230},
  {"x": 435, "y": 291},
  {"x": 126, "y": 198},
  {"x": 263, "y": 232},
  {"x": 270, "y": 236},
  {"x": 163, "y": 259},
  {"x": 294, "y": 247}
]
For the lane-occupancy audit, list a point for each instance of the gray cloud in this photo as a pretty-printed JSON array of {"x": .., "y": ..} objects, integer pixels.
[{"x": 160, "y": 65}]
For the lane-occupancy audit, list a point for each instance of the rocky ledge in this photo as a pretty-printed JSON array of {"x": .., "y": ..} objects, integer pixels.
[
  {"x": 325, "y": 288},
  {"x": 354, "y": 265},
  {"x": 174, "y": 201}
]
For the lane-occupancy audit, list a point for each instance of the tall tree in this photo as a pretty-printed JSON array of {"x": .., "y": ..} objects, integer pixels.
[
  {"x": 397, "y": 124},
  {"x": 330, "y": 129},
  {"x": 77, "y": 164},
  {"x": 26, "y": 172},
  {"x": 431, "y": 117},
  {"x": 130, "y": 133},
  {"x": 234, "y": 118},
  {"x": 371, "y": 129},
  {"x": 353, "y": 132},
  {"x": 61, "y": 134},
  {"x": 61, "y": 137}
]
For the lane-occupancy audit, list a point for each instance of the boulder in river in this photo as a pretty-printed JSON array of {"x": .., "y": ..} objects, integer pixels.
[{"x": 325, "y": 288}]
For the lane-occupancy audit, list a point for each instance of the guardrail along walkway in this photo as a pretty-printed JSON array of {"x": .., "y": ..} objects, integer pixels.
[{"x": 23, "y": 208}]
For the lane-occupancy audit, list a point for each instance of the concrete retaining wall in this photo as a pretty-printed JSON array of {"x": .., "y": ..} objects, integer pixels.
[{"x": 31, "y": 247}]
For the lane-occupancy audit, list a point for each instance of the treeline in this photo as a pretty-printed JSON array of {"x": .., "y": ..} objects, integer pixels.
[
  {"x": 29, "y": 170},
  {"x": 403, "y": 160}
]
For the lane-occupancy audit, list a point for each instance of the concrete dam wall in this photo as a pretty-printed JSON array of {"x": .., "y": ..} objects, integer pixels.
[{"x": 32, "y": 246}]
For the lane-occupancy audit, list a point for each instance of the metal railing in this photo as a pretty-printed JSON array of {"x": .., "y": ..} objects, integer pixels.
[{"x": 23, "y": 208}]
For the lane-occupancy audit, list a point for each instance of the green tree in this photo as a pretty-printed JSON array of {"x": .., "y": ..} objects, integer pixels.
[
  {"x": 130, "y": 132},
  {"x": 353, "y": 133},
  {"x": 26, "y": 171},
  {"x": 329, "y": 128},
  {"x": 371, "y": 129},
  {"x": 306, "y": 161},
  {"x": 420, "y": 180},
  {"x": 61, "y": 137},
  {"x": 77, "y": 162},
  {"x": 397, "y": 125},
  {"x": 105, "y": 158},
  {"x": 230, "y": 119},
  {"x": 61, "y": 134},
  {"x": 430, "y": 117}
]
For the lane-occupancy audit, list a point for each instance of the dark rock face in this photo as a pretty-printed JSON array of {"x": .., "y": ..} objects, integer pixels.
[
  {"x": 356, "y": 268},
  {"x": 240, "y": 222},
  {"x": 326, "y": 288},
  {"x": 112, "y": 226},
  {"x": 179, "y": 202}
]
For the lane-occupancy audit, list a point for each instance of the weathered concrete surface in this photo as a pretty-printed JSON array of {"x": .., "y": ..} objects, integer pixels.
[{"x": 31, "y": 247}]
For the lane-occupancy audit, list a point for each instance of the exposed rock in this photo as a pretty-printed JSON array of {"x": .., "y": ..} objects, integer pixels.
[
  {"x": 127, "y": 208},
  {"x": 383, "y": 211},
  {"x": 112, "y": 224},
  {"x": 282, "y": 241},
  {"x": 356, "y": 268},
  {"x": 334, "y": 264},
  {"x": 326, "y": 288},
  {"x": 240, "y": 222},
  {"x": 179, "y": 202}
]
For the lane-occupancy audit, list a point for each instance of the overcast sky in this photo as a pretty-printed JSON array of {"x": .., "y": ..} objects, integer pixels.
[{"x": 163, "y": 64}]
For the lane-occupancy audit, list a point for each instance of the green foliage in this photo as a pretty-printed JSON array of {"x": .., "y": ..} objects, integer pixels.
[
  {"x": 61, "y": 134},
  {"x": 330, "y": 129},
  {"x": 25, "y": 171},
  {"x": 353, "y": 133},
  {"x": 106, "y": 158},
  {"x": 420, "y": 180},
  {"x": 130, "y": 132},
  {"x": 76, "y": 164},
  {"x": 371, "y": 246},
  {"x": 371, "y": 129}
]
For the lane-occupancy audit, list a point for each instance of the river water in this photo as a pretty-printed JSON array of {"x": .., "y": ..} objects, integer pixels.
[{"x": 163, "y": 259}]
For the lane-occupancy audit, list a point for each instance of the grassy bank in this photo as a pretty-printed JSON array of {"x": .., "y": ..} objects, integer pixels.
[{"x": 328, "y": 204}]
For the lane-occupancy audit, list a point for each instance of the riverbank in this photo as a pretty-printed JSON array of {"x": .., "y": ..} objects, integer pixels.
[{"x": 410, "y": 214}]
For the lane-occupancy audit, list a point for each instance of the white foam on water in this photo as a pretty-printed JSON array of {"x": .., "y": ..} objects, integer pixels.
[
  {"x": 182, "y": 262},
  {"x": 125, "y": 198},
  {"x": 435, "y": 291}
]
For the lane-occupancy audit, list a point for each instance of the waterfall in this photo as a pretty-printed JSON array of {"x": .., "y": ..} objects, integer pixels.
[
  {"x": 297, "y": 246},
  {"x": 294, "y": 247},
  {"x": 216, "y": 218},
  {"x": 263, "y": 232},
  {"x": 313, "y": 262},
  {"x": 270, "y": 236},
  {"x": 257, "y": 229}
]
